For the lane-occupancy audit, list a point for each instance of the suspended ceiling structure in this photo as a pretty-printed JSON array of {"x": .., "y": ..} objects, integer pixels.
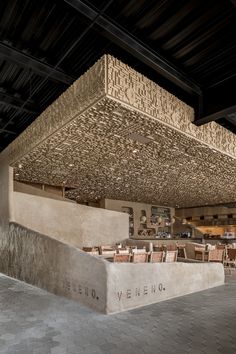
[{"x": 116, "y": 134}]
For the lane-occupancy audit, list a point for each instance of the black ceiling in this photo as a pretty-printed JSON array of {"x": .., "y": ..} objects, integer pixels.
[{"x": 186, "y": 46}]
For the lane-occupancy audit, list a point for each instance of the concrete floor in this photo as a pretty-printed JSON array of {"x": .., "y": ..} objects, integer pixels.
[{"x": 33, "y": 321}]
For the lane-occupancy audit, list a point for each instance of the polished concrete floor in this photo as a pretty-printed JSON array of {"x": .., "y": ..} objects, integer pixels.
[{"x": 33, "y": 321}]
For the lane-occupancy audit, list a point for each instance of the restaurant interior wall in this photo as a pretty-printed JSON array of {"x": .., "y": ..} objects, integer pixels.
[{"x": 143, "y": 223}]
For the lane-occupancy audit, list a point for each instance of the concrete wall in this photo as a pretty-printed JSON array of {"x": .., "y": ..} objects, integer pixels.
[
  {"x": 107, "y": 287},
  {"x": 51, "y": 265},
  {"x": 78, "y": 225},
  {"x": 135, "y": 285},
  {"x": 65, "y": 270}
]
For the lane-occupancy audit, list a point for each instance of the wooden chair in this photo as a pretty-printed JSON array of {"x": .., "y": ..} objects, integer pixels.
[
  {"x": 139, "y": 250},
  {"x": 216, "y": 255},
  {"x": 231, "y": 258},
  {"x": 139, "y": 257},
  {"x": 200, "y": 254},
  {"x": 157, "y": 248},
  {"x": 171, "y": 256},
  {"x": 107, "y": 250},
  {"x": 157, "y": 257},
  {"x": 121, "y": 258},
  {"x": 171, "y": 247},
  {"x": 91, "y": 250},
  {"x": 220, "y": 247},
  {"x": 182, "y": 251},
  {"x": 123, "y": 251}
]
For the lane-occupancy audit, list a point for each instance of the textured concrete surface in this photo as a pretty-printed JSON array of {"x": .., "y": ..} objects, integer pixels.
[
  {"x": 132, "y": 285},
  {"x": 75, "y": 224},
  {"x": 54, "y": 266},
  {"x": 35, "y": 322},
  {"x": 107, "y": 287}
]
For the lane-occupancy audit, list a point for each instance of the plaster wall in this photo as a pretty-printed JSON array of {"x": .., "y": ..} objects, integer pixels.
[
  {"x": 54, "y": 266},
  {"x": 134, "y": 285},
  {"x": 75, "y": 224},
  {"x": 117, "y": 205}
]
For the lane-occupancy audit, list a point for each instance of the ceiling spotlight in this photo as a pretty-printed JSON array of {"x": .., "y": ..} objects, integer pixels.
[
  {"x": 20, "y": 165},
  {"x": 135, "y": 150},
  {"x": 71, "y": 164},
  {"x": 17, "y": 174}
]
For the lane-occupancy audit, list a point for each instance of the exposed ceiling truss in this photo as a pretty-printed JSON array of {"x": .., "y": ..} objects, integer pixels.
[{"x": 186, "y": 47}]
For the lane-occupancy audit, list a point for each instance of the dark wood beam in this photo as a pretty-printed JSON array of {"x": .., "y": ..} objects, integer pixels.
[
  {"x": 27, "y": 61},
  {"x": 7, "y": 131},
  {"x": 138, "y": 49},
  {"x": 226, "y": 123},
  {"x": 17, "y": 103},
  {"x": 214, "y": 116}
]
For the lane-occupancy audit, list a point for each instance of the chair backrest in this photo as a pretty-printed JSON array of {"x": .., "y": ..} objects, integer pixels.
[
  {"x": 171, "y": 256},
  {"x": 121, "y": 258},
  {"x": 157, "y": 257},
  {"x": 220, "y": 247},
  {"x": 216, "y": 255},
  {"x": 157, "y": 248},
  {"x": 139, "y": 257},
  {"x": 199, "y": 249},
  {"x": 171, "y": 247},
  {"x": 139, "y": 250},
  {"x": 91, "y": 250},
  {"x": 232, "y": 254},
  {"x": 107, "y": 250},
  {"x": 123, "y": 251},
  {"x": 88, "y": 249},
  {"x": 182, "y": 251}
]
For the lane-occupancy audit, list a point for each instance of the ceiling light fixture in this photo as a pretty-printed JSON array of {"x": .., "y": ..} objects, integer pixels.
[{"x": 135, "y": 150}]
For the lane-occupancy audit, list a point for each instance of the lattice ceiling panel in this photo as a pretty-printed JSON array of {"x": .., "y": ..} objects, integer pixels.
[
  {"x": 96, "y": 155},
  {"x": 115, "y": 134}
]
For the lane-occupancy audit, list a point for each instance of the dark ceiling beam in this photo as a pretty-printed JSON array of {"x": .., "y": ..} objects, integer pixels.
[
  {"x": 17, "y": 103},
  {"x": 27, "y": 61},
  {"x": 214, "y": 116},
  {"x": 226, "y": 123},
  {"x": 139, "y": 50},
  {"x": 218, "y": 82},
  {"x": 7, "y": 131},
  {"x": 233, "y": 2}
]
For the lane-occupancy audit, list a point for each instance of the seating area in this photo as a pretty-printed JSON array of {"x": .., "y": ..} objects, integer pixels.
[
  {"x": 222, "y": 253},
  {"x": 230, "y": 259},
  {"x": 121, "y": 254}
]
